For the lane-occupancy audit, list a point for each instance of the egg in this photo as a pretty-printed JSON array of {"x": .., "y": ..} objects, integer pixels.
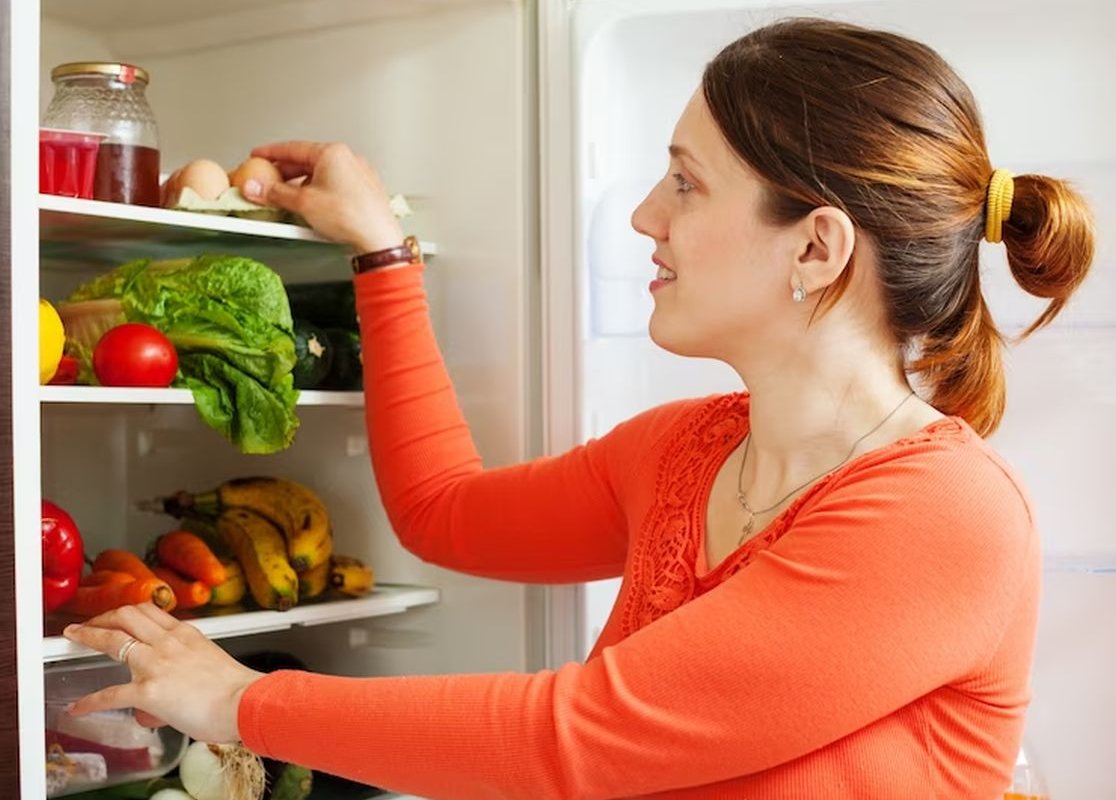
[
  {"x": 168, "y": 192},
  {"x": 259, "y": 169},
  {"x": 207, "y": 178}
]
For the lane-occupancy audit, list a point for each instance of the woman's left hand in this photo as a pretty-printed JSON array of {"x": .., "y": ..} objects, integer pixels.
[{"x": 179, "y": 677}]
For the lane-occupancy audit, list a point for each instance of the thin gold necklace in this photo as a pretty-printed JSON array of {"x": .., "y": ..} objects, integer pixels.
[{"x": 751, "y": 514}]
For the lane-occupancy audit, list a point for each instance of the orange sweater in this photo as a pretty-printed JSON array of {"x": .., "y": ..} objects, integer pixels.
[{"x": 874, "y": 642}]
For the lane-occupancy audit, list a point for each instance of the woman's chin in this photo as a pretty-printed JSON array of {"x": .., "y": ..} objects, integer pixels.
[
  {"x": 670, "y": 340},
  {"x": 655, "y": 331}
]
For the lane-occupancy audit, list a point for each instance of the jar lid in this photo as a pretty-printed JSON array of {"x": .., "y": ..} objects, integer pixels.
[{"x": 125, "y": 73}]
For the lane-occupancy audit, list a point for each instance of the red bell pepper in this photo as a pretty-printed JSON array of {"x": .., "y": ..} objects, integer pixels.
[
  {"x": 63, "y": 556},
  {"x": 67, "y": 372}
]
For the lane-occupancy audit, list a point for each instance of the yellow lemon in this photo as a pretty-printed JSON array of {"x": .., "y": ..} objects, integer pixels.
[{"x": 52, "y": 337}]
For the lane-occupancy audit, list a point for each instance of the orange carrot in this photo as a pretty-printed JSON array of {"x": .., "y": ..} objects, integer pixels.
[
  {"x": 188, "y": 554},
  {"x": 123, "y": 561},
  {"x": 189, "y": 594},
  {"x": 102, "y": 576},
  {"x": 93, "y": 600}
]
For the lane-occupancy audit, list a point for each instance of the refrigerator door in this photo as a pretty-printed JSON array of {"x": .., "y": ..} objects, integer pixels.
[{"x": 1040, "y": 75}]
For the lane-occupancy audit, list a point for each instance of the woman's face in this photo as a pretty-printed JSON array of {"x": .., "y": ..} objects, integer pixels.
[{"x": 724, "y": 273}]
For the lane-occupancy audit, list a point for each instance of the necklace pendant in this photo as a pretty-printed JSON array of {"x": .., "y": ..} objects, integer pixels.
[{"x": 749, "y": 516}]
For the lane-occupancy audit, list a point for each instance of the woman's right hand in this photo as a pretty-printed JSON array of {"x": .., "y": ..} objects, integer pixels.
[{"x": 341, "y": 196}]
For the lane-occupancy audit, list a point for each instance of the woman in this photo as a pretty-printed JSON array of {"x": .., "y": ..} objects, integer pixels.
[{"x": 830, "y": 582}]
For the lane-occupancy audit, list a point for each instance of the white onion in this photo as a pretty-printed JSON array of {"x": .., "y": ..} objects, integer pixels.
[
  {"x": 201, "y": 774},
  {"x": 222, "y": 772},
  {"x": 170, "y": 794}
]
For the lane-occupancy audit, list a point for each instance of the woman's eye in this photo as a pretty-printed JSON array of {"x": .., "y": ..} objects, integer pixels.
[{"x": 684, "y": 185}]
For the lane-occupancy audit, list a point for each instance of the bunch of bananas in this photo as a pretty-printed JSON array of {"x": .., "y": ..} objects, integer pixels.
[{"x": 280, "y": 533}]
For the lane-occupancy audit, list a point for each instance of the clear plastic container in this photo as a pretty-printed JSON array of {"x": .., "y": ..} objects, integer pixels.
[
  {"x": 68, "y": 162},
  {"x": 111, "y": 99},
  {"x": 104, "y": 748}
]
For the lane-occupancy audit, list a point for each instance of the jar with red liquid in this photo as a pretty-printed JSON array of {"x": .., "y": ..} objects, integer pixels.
[{"x": 110, "y": 99}]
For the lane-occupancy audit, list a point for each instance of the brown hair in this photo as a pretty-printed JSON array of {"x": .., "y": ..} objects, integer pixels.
[{"x": 882, "y": 128}]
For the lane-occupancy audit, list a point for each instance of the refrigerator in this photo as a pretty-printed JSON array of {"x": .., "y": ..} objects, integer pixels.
[
  {"x": 1034, "y": 68},
  {"x": 522, "y": 135}
]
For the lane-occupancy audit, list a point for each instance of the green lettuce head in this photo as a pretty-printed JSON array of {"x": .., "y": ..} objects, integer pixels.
[{"x": 230, "y": 321}]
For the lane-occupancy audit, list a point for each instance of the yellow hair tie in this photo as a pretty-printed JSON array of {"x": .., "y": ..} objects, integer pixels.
[{"x": 1001, "y": 191}]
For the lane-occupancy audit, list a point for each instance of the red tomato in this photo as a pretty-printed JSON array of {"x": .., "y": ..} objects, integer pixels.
[{"x": 134, "y": 354}]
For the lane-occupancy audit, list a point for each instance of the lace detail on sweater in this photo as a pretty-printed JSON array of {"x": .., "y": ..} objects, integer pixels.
[{"x": 663, "y": 565}]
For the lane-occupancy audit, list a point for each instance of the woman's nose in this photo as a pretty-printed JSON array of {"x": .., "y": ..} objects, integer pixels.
[{"x": 649, "y": 217}]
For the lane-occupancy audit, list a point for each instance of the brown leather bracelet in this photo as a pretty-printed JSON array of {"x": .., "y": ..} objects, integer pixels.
[{"x": 407, "y": 253}]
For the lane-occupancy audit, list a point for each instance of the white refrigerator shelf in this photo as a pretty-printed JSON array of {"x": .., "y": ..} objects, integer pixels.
[
  {"x": 385, "y": 599},
  {"x": 112, "y": 395},
  {"x": 89, "y": 235}
]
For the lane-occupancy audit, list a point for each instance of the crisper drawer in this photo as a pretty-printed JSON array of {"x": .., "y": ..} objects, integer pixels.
[{"x": 104, "y": 748}]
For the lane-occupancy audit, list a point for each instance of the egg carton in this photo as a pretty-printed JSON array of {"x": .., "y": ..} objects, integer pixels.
[{"x": 231, "y": 203}]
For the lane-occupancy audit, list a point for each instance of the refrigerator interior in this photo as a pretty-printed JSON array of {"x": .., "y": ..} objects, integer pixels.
[
  {"x": 1040, "y": 75},
  {"x": 435, "y": 94}
]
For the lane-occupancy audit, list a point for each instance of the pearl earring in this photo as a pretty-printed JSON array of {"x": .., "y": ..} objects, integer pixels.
[{"x": 799, "y": 293}]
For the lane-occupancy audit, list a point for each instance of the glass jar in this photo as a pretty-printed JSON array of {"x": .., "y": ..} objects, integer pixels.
[
  {"x": 110, "y": 99},
  {"x": 1027, "y": 781}
]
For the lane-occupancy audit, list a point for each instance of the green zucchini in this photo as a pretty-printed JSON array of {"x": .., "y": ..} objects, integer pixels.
[
  {"x": 346, "y": 373},
  {"x": 313, "y": 355},
  {"x": 294, "y": 783}
]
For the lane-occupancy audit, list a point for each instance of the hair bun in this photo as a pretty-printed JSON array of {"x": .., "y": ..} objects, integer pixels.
[{"x": 1050, "y": 241}]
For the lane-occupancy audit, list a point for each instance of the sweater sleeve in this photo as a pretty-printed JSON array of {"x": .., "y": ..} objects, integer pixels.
[
  {"x": 895, "y": 583},
  {"x": 551, "y": 520}
]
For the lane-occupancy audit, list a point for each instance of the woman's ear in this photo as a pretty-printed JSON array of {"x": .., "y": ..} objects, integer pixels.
[{"x": 826, "y": 246}]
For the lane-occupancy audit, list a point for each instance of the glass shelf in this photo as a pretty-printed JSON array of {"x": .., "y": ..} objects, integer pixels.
[
  {"x": 111, "y": 395},
  {"x": 221, "y": 623},
  {"x": 89, "y": 236}
]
